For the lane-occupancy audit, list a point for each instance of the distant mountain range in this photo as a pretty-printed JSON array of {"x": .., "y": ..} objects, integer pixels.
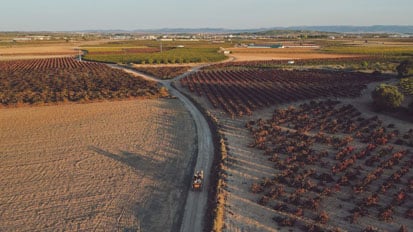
[{"x": 399, "y": 29}]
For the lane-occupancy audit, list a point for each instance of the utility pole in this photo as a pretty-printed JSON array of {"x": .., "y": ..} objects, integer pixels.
[{"x": 161, "y": 46}]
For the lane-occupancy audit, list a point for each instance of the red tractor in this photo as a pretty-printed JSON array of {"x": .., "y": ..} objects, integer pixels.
[{"x": 197, "y": 180}]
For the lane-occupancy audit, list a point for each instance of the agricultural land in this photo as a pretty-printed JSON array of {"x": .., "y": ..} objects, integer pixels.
[
  {"x": 305, "y": 148},
  {"x": 100, "y": 134},
  {"x": 107, "y": 166}
]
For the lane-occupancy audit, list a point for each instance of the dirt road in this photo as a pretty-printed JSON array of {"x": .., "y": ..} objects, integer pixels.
[{"x": 195, "y": 207}]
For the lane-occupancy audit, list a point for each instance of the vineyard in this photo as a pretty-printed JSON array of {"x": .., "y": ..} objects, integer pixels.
[
  {"x": 354, "y": 63},
  {"x": 163, "y": 72},
  {"x": 171, "y": 56},
  {"x": 66, "y": 79},
  {"x": 335, "y": 169},
  {"x": 241, "y": 92},
  {"x": 120, "y": 50},
  {"x": 389, "y": 51}
]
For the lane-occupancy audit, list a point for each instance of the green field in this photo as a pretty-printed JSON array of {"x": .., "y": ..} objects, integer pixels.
[
  {"x": 383, "y": 51},
  {"x": 178, "y": 55},
  {"x": 189, "y": 52}
]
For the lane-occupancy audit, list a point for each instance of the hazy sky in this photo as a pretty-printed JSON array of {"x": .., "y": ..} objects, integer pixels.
[{"x": 236, "y": 14}]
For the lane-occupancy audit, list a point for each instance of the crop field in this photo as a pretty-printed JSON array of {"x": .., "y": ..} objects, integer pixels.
[
  {"x": 156, "y": 43},
  {"x": 241, "y": 92},
  {"x": 163, "y": 72},
  {"x": 121, "y": 50},
  {"x": 171, "y": 56},
  {"x": 95, "y": 167},
  {"x": 66, "y": 79},
  {"x": 328, "y": 156},
  {"x": 253, "y": 54},
  {"x": 348, "y": 63},
  {"x": 42, "y": 49},
  {"x": 149, "y": 52},
  {"x": 296, "y": 164},
  {"x": 376, "y": 50},
  {"x": 52, "y": 49}
]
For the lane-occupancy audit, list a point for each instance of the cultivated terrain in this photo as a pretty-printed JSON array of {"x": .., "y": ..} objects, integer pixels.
[
  {"x": 95, "y": 167},
  {"x": 306, "y": 151},
  {"x": 298, "y": 145}
]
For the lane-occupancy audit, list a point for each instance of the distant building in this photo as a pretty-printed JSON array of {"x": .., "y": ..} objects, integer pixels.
[
  {"x": 22, "y": 39},
  {"x": 265, "y": 46},
  {"x": 120, "y": 37},
  {"x": 39, "y": 37},
  {"x": 33, "y": 37}
]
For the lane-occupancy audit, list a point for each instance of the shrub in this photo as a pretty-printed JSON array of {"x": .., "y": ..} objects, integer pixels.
[
  {"x": 387, "y": 97},
  {"x": 404, "y": 68},
  {"x": 163, "y": 92}
]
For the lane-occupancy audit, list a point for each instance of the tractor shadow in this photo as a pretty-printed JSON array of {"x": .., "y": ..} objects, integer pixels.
[{"x": 136, "y": 161}]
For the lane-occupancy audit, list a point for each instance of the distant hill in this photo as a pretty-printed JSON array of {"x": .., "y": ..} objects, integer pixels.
[
  {"x": 357, "y": 29},
  {"x": 337, "y": 29}
]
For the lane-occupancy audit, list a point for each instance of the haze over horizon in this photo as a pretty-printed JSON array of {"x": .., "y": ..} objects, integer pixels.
[{"x": 58, "y": 15}]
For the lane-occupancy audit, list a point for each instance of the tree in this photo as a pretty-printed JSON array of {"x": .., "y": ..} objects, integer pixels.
[
  {"x": 163, "y": 92},
  {"x": 403, "y": 69},
  {"x": 387, "y": 97}
]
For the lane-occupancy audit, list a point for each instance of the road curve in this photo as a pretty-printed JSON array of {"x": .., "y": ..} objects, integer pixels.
[{"x": 196, "y": 202}]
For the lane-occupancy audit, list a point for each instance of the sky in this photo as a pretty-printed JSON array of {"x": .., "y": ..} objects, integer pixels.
[{"x": 67, "y": 15}]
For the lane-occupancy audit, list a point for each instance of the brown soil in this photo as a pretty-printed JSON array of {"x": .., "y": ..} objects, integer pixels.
[
  {"x": 109, "y": 166},
  {"x": 44, "y": 49}
]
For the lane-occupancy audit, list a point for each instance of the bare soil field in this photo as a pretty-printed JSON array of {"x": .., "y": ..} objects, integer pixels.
[
  {"x": 250, "y": 54},
  {"x": 46, "y": 49},
  {"x": 36, "y": 51},
  {"x": 376, "y": 198},
  {"x": 108, "y": 166}
]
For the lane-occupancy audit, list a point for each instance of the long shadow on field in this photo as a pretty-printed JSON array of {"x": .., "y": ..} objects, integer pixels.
[
  {"x": 166, "y": 193},
  {"x": 135, "y": 161}
]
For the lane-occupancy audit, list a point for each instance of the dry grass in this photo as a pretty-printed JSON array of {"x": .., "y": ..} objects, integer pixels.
[{"x": 105, "y": 166}]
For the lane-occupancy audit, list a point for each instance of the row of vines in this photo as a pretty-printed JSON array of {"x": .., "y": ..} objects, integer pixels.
[
  {"x": 361, "y": 62},
  {"x": 335, "y": 169},
  {"x": 241, "y": 92},
  {"x": 163, "y": 72},
  {"x": 66, "y": 79}
]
